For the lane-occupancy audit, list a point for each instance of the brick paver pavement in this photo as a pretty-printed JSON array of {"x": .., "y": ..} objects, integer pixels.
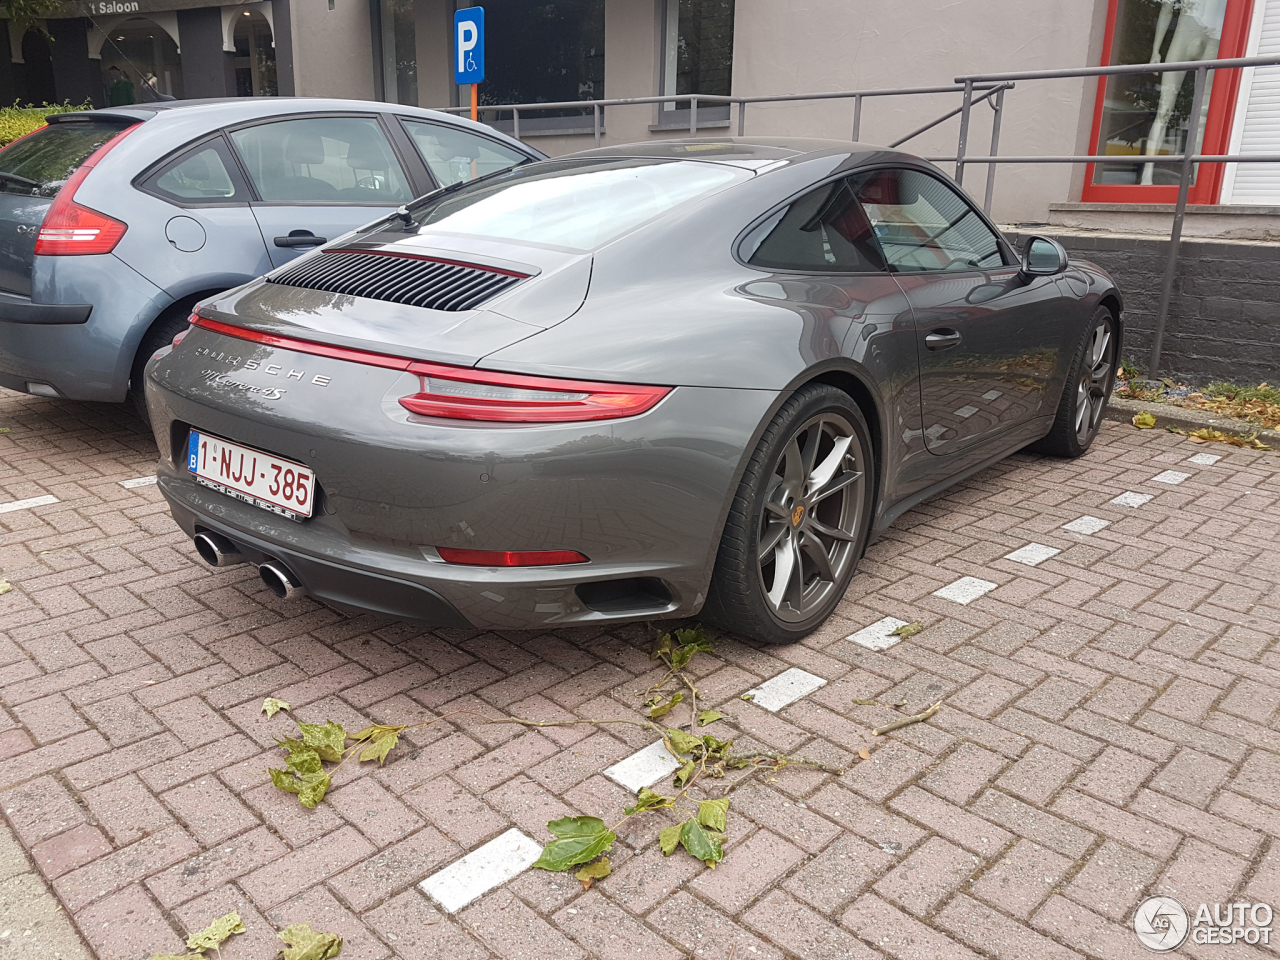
[{"x": 1109, "y": 730}]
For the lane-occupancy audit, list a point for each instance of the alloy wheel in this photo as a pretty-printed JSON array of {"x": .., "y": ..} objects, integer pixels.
[
  {"x": 1091, "y": 394},
  {"x": 812, "y": 516}
]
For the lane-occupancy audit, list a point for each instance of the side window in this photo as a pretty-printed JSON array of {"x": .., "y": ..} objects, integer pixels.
[
  {"x": 201, "y": 175},
  {"x": 825, "y": 231},
  {"x": 923, "y": 224},
  {"x": 322, "y": 160},
  {"x": 456, "y": 155}
]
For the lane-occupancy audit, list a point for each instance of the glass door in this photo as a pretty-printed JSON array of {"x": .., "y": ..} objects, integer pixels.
[{"x": 1147, "y": 114}]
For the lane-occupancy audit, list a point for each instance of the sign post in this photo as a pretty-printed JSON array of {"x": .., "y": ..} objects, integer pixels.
[{"x": 468, "y": 67}]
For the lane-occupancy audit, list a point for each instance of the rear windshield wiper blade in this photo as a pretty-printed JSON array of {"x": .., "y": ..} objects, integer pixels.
[{"x": 20, "y": 181}]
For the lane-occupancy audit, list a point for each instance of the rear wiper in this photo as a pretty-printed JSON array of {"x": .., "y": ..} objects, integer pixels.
[{"x": 20, "y": 181}]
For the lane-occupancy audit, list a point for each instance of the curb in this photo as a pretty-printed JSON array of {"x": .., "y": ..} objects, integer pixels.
[{"x": 1123, "y": 410}]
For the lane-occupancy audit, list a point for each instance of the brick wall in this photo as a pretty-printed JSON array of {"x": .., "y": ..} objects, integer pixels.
[{"x": 1224, "y": 320}]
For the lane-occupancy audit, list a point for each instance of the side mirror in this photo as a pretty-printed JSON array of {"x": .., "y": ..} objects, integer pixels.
[{"x": 1043, "y": 257}]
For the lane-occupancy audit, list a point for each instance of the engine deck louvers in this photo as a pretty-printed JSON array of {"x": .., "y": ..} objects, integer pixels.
[{"x": 398, "y": 278}]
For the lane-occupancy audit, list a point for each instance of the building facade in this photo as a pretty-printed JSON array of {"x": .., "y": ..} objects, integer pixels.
[{"x": 119, "y": 51}]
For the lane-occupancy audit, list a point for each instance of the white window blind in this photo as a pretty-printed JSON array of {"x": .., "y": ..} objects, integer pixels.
[{"x": 1257, "y": 125}]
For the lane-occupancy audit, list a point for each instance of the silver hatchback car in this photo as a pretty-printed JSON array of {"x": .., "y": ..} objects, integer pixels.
[{"x": 114, "y": 223}]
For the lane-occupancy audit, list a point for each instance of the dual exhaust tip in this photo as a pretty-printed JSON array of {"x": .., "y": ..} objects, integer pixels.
[{"x": 217, "y": 551}]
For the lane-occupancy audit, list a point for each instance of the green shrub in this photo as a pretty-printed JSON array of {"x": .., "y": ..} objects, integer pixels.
[{"x": 18, "y": 120}]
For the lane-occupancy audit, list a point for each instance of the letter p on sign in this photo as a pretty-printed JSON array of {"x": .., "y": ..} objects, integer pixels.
[{"x": 468, "y": 37}]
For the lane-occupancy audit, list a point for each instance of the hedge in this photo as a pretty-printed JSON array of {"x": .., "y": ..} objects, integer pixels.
[{"x": 18, "y": 120}]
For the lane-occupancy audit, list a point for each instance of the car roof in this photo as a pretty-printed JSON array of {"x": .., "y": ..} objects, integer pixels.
[{"x": 224, "y": 111}]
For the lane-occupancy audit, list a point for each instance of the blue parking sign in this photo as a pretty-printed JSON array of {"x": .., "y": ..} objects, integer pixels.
[{"x": 468, "y": 41}]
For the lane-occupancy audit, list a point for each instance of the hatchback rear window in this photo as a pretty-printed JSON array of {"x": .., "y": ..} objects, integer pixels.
[
  {"x": 579, "y": 204},
  {"x": 39, "y": 164}
]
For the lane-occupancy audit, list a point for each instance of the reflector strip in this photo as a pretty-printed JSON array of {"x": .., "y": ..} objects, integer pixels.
[{"x": 510, "y": 558}]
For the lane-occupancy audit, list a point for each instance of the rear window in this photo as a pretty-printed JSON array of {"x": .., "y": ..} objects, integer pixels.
[
  {"x": 580, "y": 204},
  {"x": 38, "y": 165}
]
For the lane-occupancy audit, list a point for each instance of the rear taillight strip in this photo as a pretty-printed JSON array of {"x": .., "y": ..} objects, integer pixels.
[{"x": 587, "y": 400}]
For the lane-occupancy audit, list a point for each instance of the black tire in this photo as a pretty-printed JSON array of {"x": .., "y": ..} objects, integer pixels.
[
  {"x": 167, "y": 326},
  {"x": 749, "y": 594},
  {"x": 1092, "y": 375}
]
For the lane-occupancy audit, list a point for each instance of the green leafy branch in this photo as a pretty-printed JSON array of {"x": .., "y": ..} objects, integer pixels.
[{"x": 300, "y": 941}]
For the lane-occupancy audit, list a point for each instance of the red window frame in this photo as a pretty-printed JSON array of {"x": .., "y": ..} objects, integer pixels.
[{"x": 1217, "y": 133}]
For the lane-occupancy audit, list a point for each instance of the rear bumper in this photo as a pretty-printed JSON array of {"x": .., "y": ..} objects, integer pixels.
[{"x": 15, "y": 309}]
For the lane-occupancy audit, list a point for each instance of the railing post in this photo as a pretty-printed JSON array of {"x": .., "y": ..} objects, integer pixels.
[
  {"x": 515, "y": 122},
  {"x": 595, "y": 119},
  {"x": 857, "y": 118},
  {"x": 693, "y": 116},
  {"x": 998, "y": 103},
  {"x": 1179, "y": 212},
  {"x": 742, "y": 118},
  {"x": 961, "y": 146}
]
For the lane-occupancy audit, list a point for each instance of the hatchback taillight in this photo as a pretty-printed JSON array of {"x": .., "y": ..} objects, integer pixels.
[{"x": 70, "y": 229}]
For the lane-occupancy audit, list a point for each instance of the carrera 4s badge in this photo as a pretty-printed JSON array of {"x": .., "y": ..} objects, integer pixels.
[{"x": 266, "y": 393}]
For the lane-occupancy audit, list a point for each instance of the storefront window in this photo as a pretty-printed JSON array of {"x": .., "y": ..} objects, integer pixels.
[
  {"x": 697, "y": 48},
  {"x": 1147, "y": 114},
  {"x": 543, "y": 52},
  {"x": 399, "y": 52}
]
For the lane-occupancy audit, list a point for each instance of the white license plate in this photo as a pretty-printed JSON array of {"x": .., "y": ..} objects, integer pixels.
[{"x": 281, "y": 486}]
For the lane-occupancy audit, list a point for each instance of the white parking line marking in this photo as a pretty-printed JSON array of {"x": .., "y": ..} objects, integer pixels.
[
  {"x": 481, "y": 870},
  {"x": 1033, "y": 554},
  {"x": 1204, "y": 459},
  {"x": 29, "y": 502},
  {"x": 785, "y": 689},
  {"x": 966, "y": 412},
  {"x": 138, "y": 482},
  {"x": 643, "y": 768},
  {"x": 1131, "y": 499},
  {"x": 992, "y": 395},
  {"x": 965, "y": 590},
  {"x": 878, "y": 636},
  {"x": 1170, "y": 477},
  {"x": 1086, "y": 525}
]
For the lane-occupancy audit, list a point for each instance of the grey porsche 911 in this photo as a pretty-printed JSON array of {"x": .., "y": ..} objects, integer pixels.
[{"x": 638, "y": 382}]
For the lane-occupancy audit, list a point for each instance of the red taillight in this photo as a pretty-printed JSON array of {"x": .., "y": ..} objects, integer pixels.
[
  {"x": 463, "y": 393},
  {"x": 510, "y": 558},
  {"x": 70, "y": 229}
]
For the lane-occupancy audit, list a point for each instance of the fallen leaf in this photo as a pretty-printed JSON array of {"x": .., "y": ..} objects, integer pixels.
[
  {"x": 683, "y": 742},
  {"x": 701, "y": 842},
  {"x": 303, "y": 943},
  {"x": 647, "y": 799},
  {"x": 5, "y": 430},
  {"x": 381, "y": 739},
  {"x": 664, "y": 709},
  {"x": 864, "y": 753},
  {"x": 5, "y": 587},
  {"x": 271, "y": 706},
  {"x": 211, "y": 937},
  {"x": 709, "y": 716},
  {"x": 908, "y": 629},
  {"x": 327, "y": 739},
  {"x": 1144, "y": 420},
  {"x": 593, "y": 872},
  {"x": 867, "y": 703},
  {"x": 669, "y": 839},
  {"x": 713, "y": 813},
  {"x": 178, "y": 956},
  {"x": 748, "y": 697},
  {"x": 685, "y": 773},
  {"x": 578, "y": 840},
  {"x": 662, "y": 646}
]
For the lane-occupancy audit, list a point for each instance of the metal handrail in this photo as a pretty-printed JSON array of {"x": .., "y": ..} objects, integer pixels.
[
  {"x": 693, "y": 99},
  {"x": 1186, "y": 161}
]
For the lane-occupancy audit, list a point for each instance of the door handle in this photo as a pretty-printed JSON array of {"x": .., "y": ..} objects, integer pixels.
[
  {"x": 300, "y": 238},
  {"x": 943, "y": 339}
]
